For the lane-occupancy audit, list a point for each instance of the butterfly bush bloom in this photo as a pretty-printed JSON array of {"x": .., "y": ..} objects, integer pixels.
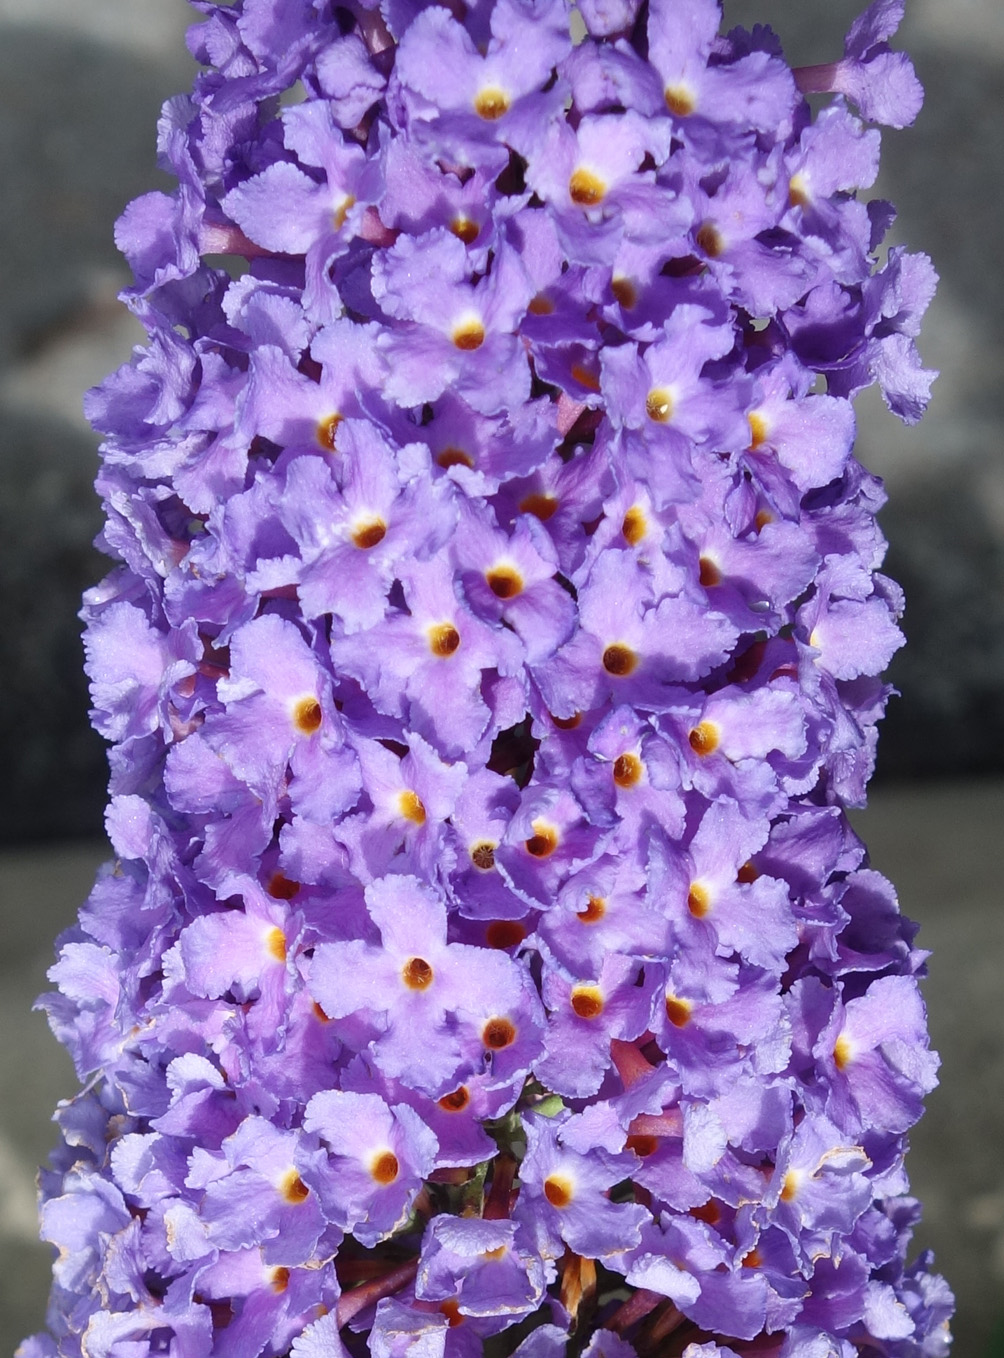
[{"x": 492, "y": 651}]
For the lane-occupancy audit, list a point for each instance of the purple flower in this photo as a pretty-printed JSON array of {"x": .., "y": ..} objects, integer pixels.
[
  {"x": 493, "y": 648},
  {"x": 882, "y": 83}
]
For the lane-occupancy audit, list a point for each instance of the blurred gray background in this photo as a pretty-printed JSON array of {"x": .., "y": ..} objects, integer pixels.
[{"x": 81, "y": 84}]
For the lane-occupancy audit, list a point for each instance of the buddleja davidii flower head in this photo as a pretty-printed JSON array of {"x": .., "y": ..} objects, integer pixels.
[{"x": 723, "y": 748}]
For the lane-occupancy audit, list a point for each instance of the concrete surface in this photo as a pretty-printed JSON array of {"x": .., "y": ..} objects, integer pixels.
[{"x": 939, "y": 843}]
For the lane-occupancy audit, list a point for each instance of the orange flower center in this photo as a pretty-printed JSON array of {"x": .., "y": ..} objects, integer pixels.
[
  {"x": 659, "y": 405},
  {"x": 704, "y": 738},
  {"x": 558, "y": 1190},
  {"x": 540, "y": 305},
  {"x": 465, "y": 228},
  {"x": 367, "y": 535},
  {"x": 293, "y": 1189},
  {"x": 679, "y": 100},
  {"x": 758, "y": 429},
  {"x": 541, "y": 505},
  {"x": 710, "y": 240},
  {"x": 443, "y": 639},
  {"x": 619, "y": 660},
  {"x": 411, "y": 806},
  {"x": 596, "y": 908},
  {"x": 504, "y": 933},
  {"x": 642, "y": 1145},
  {"x": 384, "y": 1167},
  {"x": 307, "y": 715},
  {"x": 417, "y": 974},
  {"x": 504, "y": 582},
  {"x": 469, "y": 335},
  {"x": 491, "y": 103},
  {"x": 587, "y": 1001},
  {"x": 627, "y": 770},
  {"x": 275, "y": 943},
  {"x": 625, "y": 292},
  {"x": 325, "y": 431},
  {"x": 454, "y": 457},
  {"x": 586, "y": 188},
  {"x": 498, "y": 1033},
  {"x": 634, "y": 526},
  {"x": 280, "y": 886},
  {"x": 544, "y": 840},
  {"x": 709, "y": 575}
]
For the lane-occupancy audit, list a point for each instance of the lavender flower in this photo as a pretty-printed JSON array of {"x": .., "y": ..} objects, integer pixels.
[{"x": 492, "y": 651}]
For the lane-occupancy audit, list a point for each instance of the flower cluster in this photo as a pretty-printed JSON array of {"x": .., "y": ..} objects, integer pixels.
[{"x": 487, "y": 962}]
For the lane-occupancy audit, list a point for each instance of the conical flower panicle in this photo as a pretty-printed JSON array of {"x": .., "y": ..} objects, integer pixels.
[{"x": 487, "y": 963}]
